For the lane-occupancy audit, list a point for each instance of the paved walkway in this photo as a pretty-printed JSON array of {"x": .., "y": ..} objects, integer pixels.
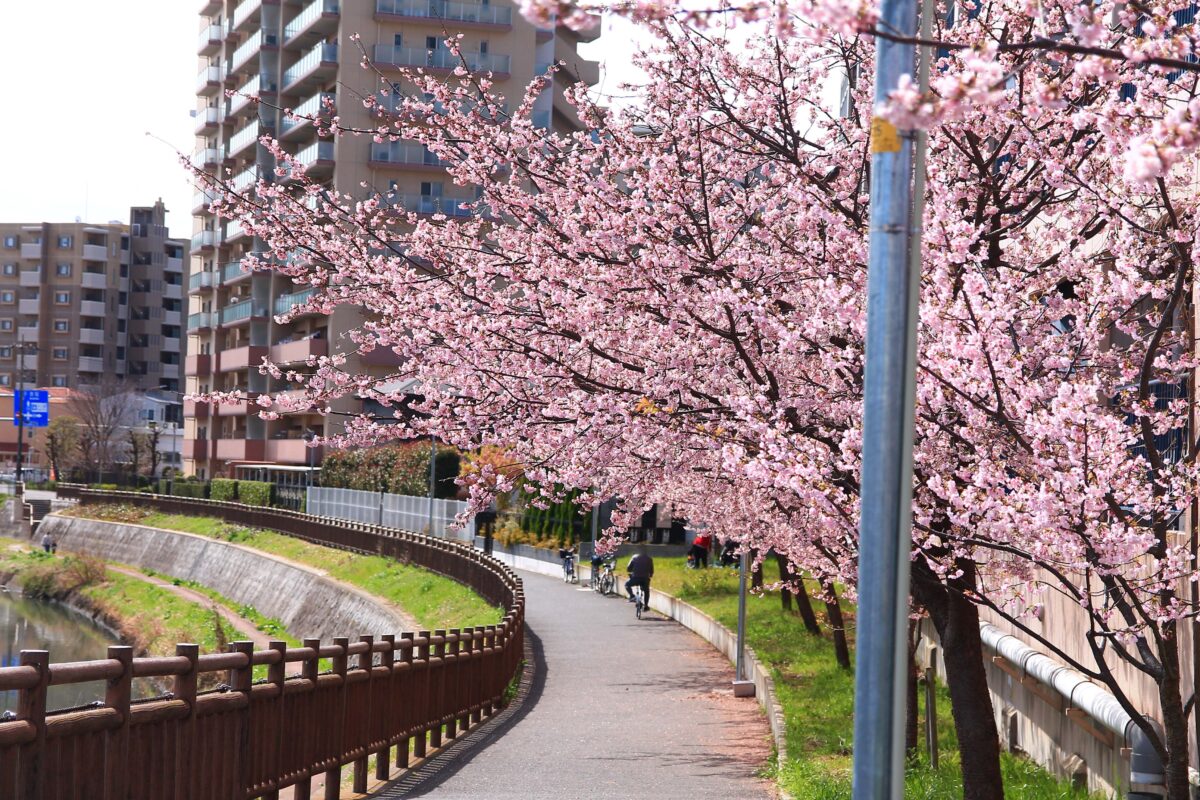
[{"x": 618, "y": 709}]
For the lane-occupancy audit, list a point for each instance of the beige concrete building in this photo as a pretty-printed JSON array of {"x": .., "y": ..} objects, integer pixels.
[
  {"x": 79, "y": 301},
  {"x": 301, "y": 56}
]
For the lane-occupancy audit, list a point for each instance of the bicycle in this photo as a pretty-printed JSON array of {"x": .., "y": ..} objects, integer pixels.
[
  {"x": 604, "y": 579},
  {"x": 568, "y": 568},
  {"x": 639, "y": 600}
]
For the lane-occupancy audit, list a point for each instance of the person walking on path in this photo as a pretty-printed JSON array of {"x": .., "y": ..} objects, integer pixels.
[
  {"x": 641, "y": 570},
  {"x": 48, "y": 543}
]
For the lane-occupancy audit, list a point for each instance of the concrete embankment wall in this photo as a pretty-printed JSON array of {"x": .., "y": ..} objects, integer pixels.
[{"x": 305, "y": 601}]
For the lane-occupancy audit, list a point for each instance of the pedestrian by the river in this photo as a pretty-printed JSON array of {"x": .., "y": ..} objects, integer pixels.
[{"x": 47, "y": 542}]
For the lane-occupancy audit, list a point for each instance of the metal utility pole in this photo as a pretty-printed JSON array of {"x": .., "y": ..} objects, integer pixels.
[
  {"x": 886, "y": 486},
  {"x": 432, "y": 477},
  {"x": 19, "y": 410},
  {"x": 742, "y": 686}
]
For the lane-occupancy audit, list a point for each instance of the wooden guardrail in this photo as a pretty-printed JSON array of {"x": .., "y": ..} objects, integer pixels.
[{"x": 250, "y": 739}]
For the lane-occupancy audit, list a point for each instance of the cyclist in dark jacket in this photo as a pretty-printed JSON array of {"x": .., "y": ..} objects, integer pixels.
[{"x": 641, "y": 570}]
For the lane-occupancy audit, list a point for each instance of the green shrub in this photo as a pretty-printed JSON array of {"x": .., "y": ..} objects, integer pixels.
[
  {"x": 223, "y": 490},
  {"x": 190, "y": 489},
  {"x": 254, "y": 493}
]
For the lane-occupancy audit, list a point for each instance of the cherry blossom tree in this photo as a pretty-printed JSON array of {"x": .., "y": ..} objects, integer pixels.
[{"x": 669, "y": 307}]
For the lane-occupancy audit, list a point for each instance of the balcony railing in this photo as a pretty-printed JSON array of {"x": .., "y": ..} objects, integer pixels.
[
  {"x": 244, "y": 10},
  {"x": 209, "y": 78},
  {"x": 404, "y": 153},
  {"x": 251, "y": 46},
  {"x": 208, "y": 157},
  {"x": 31, "y": 277},
  {"x": 319, "y": 105},
  {"x": 246, "y": 137},
  {"x": 286, "y": 302},
  {"x": 91, "y": 364},
  {"x": 306, "y": 18},
  {"x": 440, "y": 9},
  {"x": 94, "y": 280},
  {"x": 245, "y": 180},
  {"x": 92, "y": 308},
  {"x": 95, "y": 252},
  {"x": 234, "y": 230},
  {"x": 240, "y": 312},
  {"x": 258, "y": 85},
  {"x": 203, "y": 199},
  {"x": 323, "y": 53},
  {"x": 428, "y": 204},
  {"x": 439, "y": 58},
  {"x": 314, "y": 154},
  {"x": 205, "y": 239},
  {"x": 200, "y": 321},
  {"x": 208, "y": 118},
  {"x": 233, "y": 272},
  {"x": 201, "y": 280},
  {"x": 210, "y": 39}
]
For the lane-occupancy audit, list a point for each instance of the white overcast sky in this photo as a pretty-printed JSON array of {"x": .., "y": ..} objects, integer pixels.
[{"x": 92, "y": 87}]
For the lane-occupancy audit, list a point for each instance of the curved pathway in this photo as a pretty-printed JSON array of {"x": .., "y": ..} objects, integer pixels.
[{"x": 617, "y": 708}]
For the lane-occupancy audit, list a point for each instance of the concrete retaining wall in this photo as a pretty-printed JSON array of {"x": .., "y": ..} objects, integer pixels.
[{"x": 305, "y": 601}]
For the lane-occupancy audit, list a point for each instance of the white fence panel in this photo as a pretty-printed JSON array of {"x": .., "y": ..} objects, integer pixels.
[{"x": 392, "y": 511}]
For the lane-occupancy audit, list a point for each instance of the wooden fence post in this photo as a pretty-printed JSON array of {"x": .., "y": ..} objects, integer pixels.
[
  {"x": 437, "y": 675},
  {"x": 186, "y": 778},
  {"x": 118, "y": 695},
  {"x": 333, "y": 776},
  {"x": 387, "y": 659},
  {"x": 276, "y": 675},
  {"x": 426, "y": 700},
  {"x": 479, "y": 662},
  {"x": 309, "y": 671},
  {"x": 453, "y": 669},
  {"x": 409, "y": 656},
  {"x": 31, "y": 707},
  {"x": 360, "y": 764},
  {"x": 242, "y": 680}
]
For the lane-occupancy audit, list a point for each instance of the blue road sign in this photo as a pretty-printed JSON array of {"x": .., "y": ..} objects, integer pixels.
[{"x": 35, "y": 408}]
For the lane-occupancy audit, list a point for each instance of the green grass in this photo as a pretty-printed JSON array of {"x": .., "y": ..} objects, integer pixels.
[
  {"x": 434, "y": 601},
  {"x": 818, "y": 697}
]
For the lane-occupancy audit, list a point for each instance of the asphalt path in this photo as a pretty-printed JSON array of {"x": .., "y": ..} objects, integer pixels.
[{"x": 616, "y": 708}]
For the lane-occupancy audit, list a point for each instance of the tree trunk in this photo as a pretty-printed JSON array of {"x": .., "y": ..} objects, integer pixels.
[
  {"x": 833, "y": 608},
  {"x": 956, "y": 620},
  {"x": 798, "y": 592},
  {"x": 1175, "y": 726},
  {"x": 756, "y": 571}
]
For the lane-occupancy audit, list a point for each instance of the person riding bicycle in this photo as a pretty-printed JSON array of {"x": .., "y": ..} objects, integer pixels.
[{"x": 640, "y": 570}]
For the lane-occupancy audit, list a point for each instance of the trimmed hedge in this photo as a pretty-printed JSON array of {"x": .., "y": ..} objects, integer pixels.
[
  {"x": 196, "y": 489},
  {"x": 254, "y": 493},
  {"x": 223, "y": 490}
]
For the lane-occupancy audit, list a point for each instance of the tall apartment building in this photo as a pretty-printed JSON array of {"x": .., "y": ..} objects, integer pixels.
[
  {"x": 81, "y": 301},
  {"x": 300, "y": 56}
]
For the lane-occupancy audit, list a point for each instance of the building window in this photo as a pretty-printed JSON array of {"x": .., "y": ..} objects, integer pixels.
[
  {"x": 61, "y": 326},
  {"x": 6, "y": 324},
  {"x": 8, "y": 297},
  {"x": 64, "y": 242},
  {"x": 58, "y": 381},
  {"x": 62, "y": 298},
  {"x": 60, "y": 354},
  {"x": 6, "y": 352},
  {"x": 10, "y": 242},
  {"x": 63, "y": 270},
  {"x": 10, "y": 269},
  {"x": 5, "y": 380}
]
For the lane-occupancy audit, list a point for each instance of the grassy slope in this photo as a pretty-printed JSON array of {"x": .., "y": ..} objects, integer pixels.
[
  {"x": 433, "y": 600},
  {"x": 818, "y": 698}
]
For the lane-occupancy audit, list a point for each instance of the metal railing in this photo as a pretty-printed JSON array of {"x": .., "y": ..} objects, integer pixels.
[
  {"x": 439, "y": 58},
  {"x": 404, "y": 690},
  {"x": 392, "y": 511},
  {"x": 321, "y": 54},
  {"x": 404, "y": 153},
  {"x": 316, "y": 107},
  {"x": 448, "y": 10},
  {"x": 239, "y": 312},
  {"x": 286, "y": 302},
  {"x": 313, "y": 12}
]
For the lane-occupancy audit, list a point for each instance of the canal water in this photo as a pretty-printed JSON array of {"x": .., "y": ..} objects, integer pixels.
[{"x": 39, "y": 625}]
